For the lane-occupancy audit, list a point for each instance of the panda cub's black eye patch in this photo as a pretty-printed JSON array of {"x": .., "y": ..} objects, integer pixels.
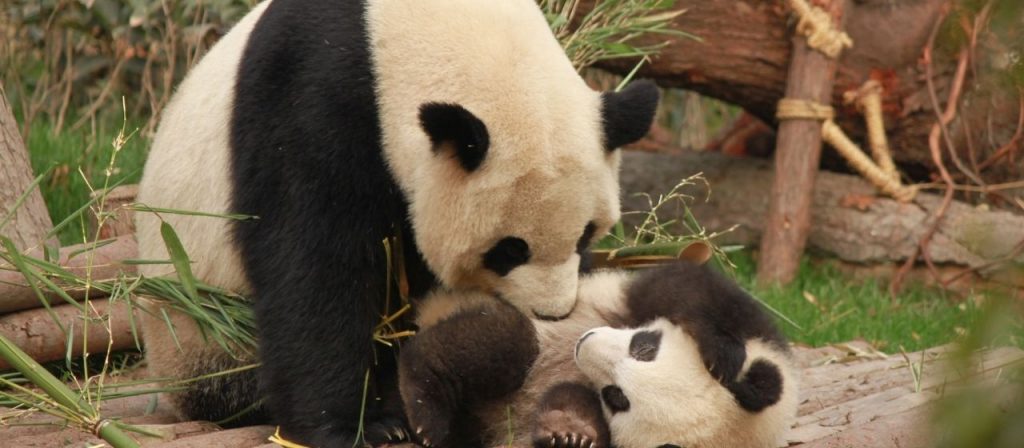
[
  {"x": 644, "y": 345},
  {"x": 506, "y": 255},
  {"x": 615, "y": 399}
]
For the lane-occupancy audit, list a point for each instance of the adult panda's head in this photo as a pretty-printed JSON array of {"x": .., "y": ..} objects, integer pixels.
[
  {"x": 507, "y": 157},
  {"x": 657, "y": 392},
  {"x": 509, "y": 205}
]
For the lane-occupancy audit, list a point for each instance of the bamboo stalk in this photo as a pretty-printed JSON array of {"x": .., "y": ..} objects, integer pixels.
[{"x": 106, "y": 429}]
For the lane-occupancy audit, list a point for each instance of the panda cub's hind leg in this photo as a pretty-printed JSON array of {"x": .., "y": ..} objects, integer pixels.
[
  {"x": 569, "y": 415},
  {"x": 475, "y": 356}
]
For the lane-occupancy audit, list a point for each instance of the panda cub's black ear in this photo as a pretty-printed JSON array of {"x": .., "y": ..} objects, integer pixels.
[
  {"x": 627, "y": 114},
  {"x": 453, "y": 128}
]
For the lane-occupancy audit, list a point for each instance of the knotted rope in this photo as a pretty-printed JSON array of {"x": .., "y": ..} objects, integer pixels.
[
  {"x": 886, "y": 181},
  {"x": 816, "y": 24}
]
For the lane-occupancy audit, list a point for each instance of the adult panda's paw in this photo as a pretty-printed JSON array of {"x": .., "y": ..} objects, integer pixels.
[{"x": 565, "y": 429}]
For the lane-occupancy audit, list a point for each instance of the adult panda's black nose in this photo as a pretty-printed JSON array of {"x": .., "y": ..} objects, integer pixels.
[{"x": 579, "y": 342}]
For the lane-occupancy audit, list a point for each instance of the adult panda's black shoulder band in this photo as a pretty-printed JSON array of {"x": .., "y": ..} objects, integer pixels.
[
  {"x": 627, "y": 115},
  {"x": 452, "y": 124}
]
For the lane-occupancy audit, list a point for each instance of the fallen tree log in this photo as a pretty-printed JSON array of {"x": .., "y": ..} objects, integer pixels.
[
  {"x": 38, "y": 334},
  {"x": 744, "y": 53},
  {"x": 850, "y": 220},
  {"x": 105, "y": 262}
]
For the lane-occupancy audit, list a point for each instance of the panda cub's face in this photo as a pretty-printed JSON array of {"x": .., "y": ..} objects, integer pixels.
[
  {"x": 508, "y": 201},
  {"x": 654, "y": 387}
]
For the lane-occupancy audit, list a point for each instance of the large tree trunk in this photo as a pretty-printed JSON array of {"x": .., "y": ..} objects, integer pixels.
[
  {"x": 745, "y": 53},
  {"x": 30, "y": 221}
]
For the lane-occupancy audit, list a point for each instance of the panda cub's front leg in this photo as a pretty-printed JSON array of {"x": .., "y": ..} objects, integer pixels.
[
  {"x": 569, "y": 415},
  {"x": 475, "y": 356}
]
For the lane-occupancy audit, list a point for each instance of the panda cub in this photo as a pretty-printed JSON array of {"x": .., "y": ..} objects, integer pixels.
[{"x": 673, "y": 356}]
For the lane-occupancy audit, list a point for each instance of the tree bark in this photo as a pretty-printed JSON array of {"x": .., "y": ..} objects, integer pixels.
[
  {"x": 29, "y": 223},
  {"x": 851, "y": 221},
  {"x": 37, "y": 333},
  {"x": 744, "y": 53},
  {"x": 16, "y": 295},
  {"x": 797, "y": 155}
]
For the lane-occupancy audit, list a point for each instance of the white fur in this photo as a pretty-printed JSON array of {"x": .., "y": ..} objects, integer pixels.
[
  {"x": 546, "y": 174},
  {"x": 187, "y": 170},
  {"x": 675, "y": 400}
]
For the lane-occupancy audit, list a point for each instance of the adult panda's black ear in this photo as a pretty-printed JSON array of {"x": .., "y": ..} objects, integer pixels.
[
  {"x": 627, "y": 114},
  {"x": 454, "y": 129}
]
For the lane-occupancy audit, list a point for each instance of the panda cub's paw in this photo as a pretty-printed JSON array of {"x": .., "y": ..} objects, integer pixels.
[
  {"x": 431, "y": 428},
  {"x": 565, "y": 429},
  {"x": 386, "y": 431},
  {"x": 569, "y": 416}
]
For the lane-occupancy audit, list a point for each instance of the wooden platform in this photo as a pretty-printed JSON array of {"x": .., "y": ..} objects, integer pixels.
[{"x": 852, "y": 396}]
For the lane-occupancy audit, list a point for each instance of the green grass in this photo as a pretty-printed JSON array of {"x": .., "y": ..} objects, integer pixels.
[
  {"x": 847, "y": 309},
  {"x": 72, "y": 158}
]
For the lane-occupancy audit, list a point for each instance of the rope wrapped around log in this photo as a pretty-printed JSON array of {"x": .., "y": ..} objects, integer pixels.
[
  {"x": 887, "y": 182},
  {"x": 816, "y": 24}
]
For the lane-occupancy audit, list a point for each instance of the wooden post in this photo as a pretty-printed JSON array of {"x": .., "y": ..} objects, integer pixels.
[
  {"x": 798, "y": 151},
  {"x": 30, "y": 222}
]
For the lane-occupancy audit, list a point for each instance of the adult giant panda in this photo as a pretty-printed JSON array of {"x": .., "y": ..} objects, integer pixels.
[
  {"x": 675, "y": 356},
  {"x": 459, "y": 125}
]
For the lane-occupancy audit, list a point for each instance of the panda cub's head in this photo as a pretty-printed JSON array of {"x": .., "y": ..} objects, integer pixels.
[
  {"x": 657, "y": 392},
  {"x": 516, "y": 191}
]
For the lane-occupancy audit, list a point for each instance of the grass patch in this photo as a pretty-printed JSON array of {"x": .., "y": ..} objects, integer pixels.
[
  {"x": 830, "y": 307},
  {"x": 74, "y": 160}
]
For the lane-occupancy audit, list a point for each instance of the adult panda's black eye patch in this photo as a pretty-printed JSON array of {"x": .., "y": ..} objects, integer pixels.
[
  {"x": 615, "y": 399},
  {"x": 506, "y": 255},
  {"x": 451, "y": 125},
  {"x": 644, "y": 345}
]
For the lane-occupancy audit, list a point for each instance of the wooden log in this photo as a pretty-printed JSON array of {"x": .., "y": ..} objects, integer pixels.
[
  {"x": 29, "y": 223},
  {"x": 37, "y": 333},
  {"x": 16, "y": 295},
  {"x": 119, "y": 218},
  {"x": 743, "y": 55},
  {"x": 851, "y": 221},
  {"x": 797, "y": 154},
  {"x": 249, "y": 436},
  {"x": 907, "y": 429},
  {"x": 132, "y": 410}
]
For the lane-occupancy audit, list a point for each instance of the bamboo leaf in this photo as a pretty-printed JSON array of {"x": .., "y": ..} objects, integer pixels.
[{"x": 180, "y": 260}]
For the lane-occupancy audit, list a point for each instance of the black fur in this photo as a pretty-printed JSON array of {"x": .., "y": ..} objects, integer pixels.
[
  {"x": 759, "y": 388},
  {"x": 451, "y": 125},
  {"x": 716, "y": 312},
  {"x": 615, "y": 399},
  {"x": 506, "y": 255},
  {"x": 466, "y": 360},
  {"x": 569, "y": 416},
  {"x": 627, "y": 115},
  {"x": 583, "y": 247},
  {"x": 307, "y": 159},
  {"x": 221, "y": 397},
  {"x": 644, "y": 345}
]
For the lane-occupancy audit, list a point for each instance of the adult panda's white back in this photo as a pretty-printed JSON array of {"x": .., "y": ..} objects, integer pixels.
[{"x": 187, "y": 170}]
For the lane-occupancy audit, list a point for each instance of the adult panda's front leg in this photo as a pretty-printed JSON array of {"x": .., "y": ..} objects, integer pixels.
[{"x": 473, "y": 357}]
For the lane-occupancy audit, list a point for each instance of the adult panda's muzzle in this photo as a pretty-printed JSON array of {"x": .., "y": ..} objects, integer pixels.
[{"x": 543, "y": 291}]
